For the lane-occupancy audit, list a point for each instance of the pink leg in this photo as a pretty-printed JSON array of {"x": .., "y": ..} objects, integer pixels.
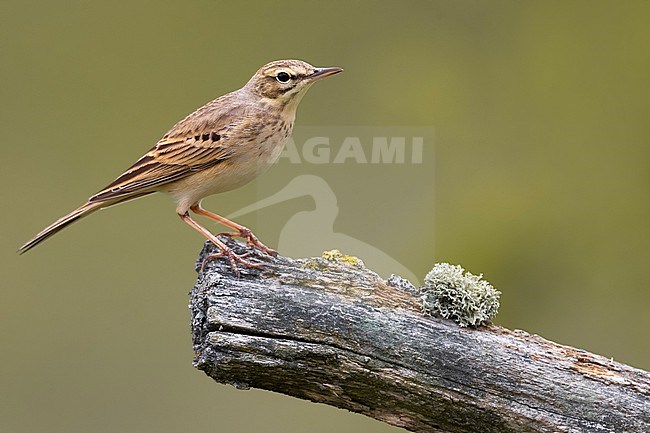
[
  {"x": 225, "y": 250},
  {"x": 242, "y": 232}
]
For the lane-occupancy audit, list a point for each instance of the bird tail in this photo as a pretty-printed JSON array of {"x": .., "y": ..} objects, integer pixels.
[{"x": 60, "y": 224}]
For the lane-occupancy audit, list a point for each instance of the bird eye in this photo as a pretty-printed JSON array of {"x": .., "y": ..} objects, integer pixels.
[{"x": 283, "y": 77}]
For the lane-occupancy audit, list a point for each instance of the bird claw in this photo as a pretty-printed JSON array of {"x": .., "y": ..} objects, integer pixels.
[
  {"x": 251, "y": 241},
  {"x": 233, "y": 259}
]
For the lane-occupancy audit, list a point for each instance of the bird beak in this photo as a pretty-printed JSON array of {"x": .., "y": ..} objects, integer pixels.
[{"x": 324, "y": 72}]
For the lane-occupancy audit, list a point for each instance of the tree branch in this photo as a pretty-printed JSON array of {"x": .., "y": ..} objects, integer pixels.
[{"x": 337, "y": 333}]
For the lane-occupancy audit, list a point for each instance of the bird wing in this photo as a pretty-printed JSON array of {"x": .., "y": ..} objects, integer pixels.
[{"x": 195, "y": 143}]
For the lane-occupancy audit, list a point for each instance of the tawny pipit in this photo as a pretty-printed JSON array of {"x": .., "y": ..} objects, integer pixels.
[{"x": 221, "y": 146}]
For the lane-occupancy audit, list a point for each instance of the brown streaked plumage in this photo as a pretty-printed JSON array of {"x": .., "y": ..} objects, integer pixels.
[{"x": 221, "y": 146}]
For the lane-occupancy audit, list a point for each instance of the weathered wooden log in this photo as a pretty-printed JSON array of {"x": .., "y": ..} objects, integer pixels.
[{"x": 335, "y": 332}]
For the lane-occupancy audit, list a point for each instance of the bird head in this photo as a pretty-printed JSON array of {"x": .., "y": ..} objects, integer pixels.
[{"x": 286, "y": 81}]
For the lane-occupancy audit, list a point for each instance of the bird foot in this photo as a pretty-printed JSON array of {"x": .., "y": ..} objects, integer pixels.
[
  {"x": 251, "y": 241},
  {"x": 233, "y": 259}
]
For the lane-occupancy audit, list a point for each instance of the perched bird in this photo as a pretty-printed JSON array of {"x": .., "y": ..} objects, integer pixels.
[{"x": 221, "y": 146}]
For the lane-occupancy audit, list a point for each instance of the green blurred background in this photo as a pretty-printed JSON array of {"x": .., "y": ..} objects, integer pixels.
[{"x": 541, "y": 116}]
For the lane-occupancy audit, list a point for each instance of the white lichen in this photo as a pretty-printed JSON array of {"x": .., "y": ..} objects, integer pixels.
[{"x": 452, "y": 293}]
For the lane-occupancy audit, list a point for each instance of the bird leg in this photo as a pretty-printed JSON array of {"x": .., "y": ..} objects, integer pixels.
[
  {"x": 242, "y": 232},
  {"x": 225, "y": 251}
]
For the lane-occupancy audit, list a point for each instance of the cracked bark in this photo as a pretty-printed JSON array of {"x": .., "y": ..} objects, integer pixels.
[{"x": 338, "y": 334}]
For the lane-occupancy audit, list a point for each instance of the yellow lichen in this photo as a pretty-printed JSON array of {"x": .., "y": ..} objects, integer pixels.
[{"x": 337, "y": 257}]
